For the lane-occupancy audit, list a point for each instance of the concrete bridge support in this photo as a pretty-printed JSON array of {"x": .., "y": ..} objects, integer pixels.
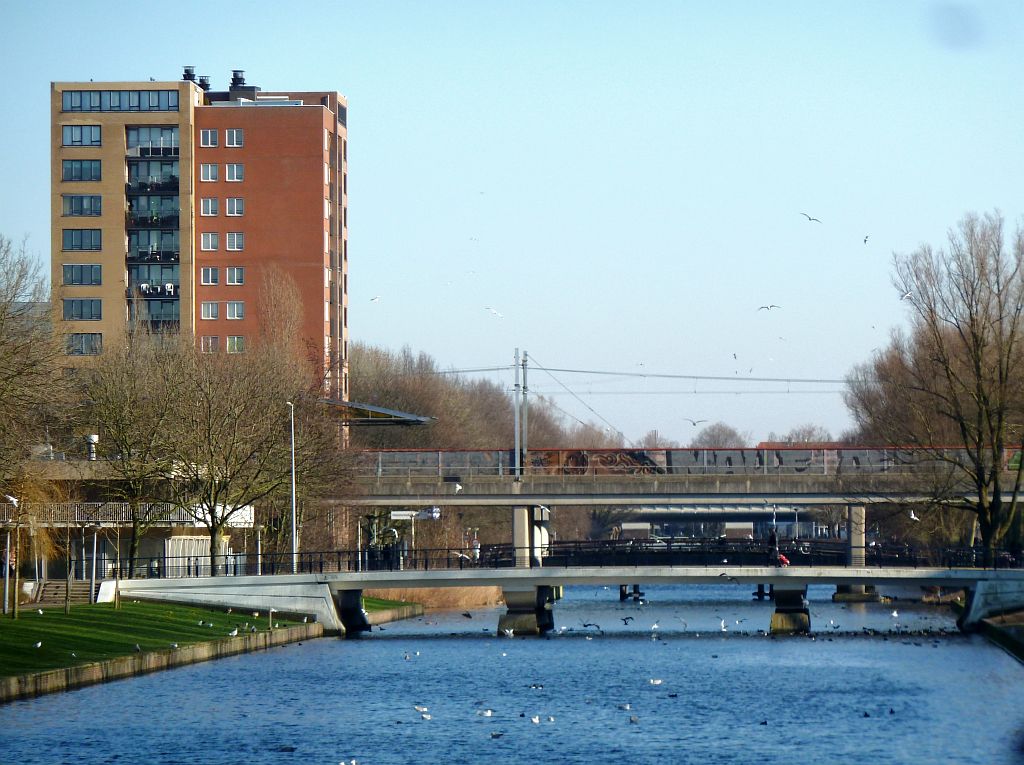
[
  {"x": 856, "y": 528},
  {"x": 529, "y": 610},
  {"x": 349, "y": 604},
  {"x": 791, "y": 616},
  {"x": 991, "y": 598},
  {"x": 530, "y": 535}
]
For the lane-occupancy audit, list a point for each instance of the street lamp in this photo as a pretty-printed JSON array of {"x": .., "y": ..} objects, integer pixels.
[{"x": 295, "y": 537}]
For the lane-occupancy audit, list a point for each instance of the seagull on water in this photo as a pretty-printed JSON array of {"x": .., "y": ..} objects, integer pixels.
[
  {"x": 420, "y": 708},
  {"x": 724, "y": 628},
  {"x": 895, "y": 614},
  {"x": 626, "y": 619},
  {"x": 655, "y": 681}
]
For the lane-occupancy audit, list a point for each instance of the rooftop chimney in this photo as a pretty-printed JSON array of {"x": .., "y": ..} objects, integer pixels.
[
  {"x": 204, "y": 81},
  {"x": 237, "y": 78},
  {"x": 189, "y": 74}
]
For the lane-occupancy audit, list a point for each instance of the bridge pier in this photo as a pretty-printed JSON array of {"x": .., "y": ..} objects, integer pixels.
[
  {"x": 990, "y": 598},
  {"x": 529, "y": 610},
  {"x": 791, "y": 616},
  {"x": 350, "y": 611},
  {"x": 856, "y": 526},
  {"x": 530, "y": 536}
]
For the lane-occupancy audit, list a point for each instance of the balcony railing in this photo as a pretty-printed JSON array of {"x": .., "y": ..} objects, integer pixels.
[
  {"x": 149, "y": 290},
  {"x": 152, "y": 219},
  {"x": 153, "y": 256},
  {"x": 146, "y": 185},
  {"x": 154, "y": 150}
]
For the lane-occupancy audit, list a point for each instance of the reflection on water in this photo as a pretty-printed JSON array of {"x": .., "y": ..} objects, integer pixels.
[{"x": 907, "y": 695}]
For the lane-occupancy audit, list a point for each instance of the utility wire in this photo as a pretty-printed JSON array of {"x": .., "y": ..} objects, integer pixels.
[{"x": 584, "y": 403}]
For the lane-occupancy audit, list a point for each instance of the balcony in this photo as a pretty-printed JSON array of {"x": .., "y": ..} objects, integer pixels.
[
  {"x": 153, "y": 150},
  {"x": 153, "y": 256},
  {"x": 147, "y": 185},
  {"x": 152, "y": 219},
  {"x": 169, "y": 290}
]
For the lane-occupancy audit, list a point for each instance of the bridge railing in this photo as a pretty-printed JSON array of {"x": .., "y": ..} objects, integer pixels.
[
  {"x": 709, "y": 553},
  {"x": 456, "y": 464}
]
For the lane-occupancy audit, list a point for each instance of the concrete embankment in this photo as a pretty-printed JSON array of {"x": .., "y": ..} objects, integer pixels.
[
  {"x": 408, "y": 611},
  {"x": 1006, "y": 631},
  {"x": 37, "y": 684}
]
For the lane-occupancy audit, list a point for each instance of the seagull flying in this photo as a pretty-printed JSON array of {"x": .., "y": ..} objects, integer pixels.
[
  {"x": 769, "y": 307},
  {"x": 375, "y": 299},
  {"x": 695, "y": 423},
  {"x": 906, "y": 295},
  {"x": 866, "y": 239},
  {"x": 458, "y": 488},
  {"x": 913, "y": 517},
  {"x": 810, "y": 219},
  {"x": 12, "y": 500}
]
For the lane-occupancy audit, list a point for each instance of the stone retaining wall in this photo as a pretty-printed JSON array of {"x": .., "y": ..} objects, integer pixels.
[
  {"x": 408, "y": 611},
  {"x": 52, "y": 681}
]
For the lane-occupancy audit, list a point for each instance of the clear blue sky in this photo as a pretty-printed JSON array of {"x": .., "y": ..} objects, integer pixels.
[{"x": 622, "y": 182}]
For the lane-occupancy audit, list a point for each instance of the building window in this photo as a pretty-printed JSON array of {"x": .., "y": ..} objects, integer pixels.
[
  {"x": 236, "y": 309},
  {"x": 80, "y": 170},
  {"x": 210, "y": 241},
  {"x": 236, "y": 344},
  {"x": 83, "y": 309},
  {"x": 86, "y": 273},
  {"x": 210, "y": 310},
  {"x": 82, "y": 239},
  {"x": 119, "y": 100},
  {"x": 80, "y": 135},
  {"x": 235, "y": 137},
  {"x": 235, "y": 172},
  {"x": 153, "y": 140},
  {"x": 207, "y": 138},
  {"x": 236, "y": 206},
  {"x": 84, "y": 343},
  {"x": 83, "y": 204},
  {"x": 208, "y": 172},
  {"x": 209, "y": 206},
  {"x": 211, "y": 275},
  {"x": 210, "y": 344},
  {"x": 236, "y": 241},
  {"x": 236, "y": 275}
]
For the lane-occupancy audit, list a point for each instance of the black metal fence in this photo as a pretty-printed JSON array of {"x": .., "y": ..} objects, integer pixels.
[{"x": 710, "y": 553}]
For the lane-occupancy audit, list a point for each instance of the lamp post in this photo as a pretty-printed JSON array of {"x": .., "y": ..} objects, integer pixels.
[
  {"x": 17, "y": 545},
  {"x": 295, "y": 537}
]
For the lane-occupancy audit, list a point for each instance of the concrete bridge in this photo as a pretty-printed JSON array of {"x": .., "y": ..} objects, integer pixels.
[{"x": 335, "y": 598}]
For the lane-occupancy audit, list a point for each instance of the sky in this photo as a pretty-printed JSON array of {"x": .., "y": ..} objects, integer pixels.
[{"x": 614, "y": 187}]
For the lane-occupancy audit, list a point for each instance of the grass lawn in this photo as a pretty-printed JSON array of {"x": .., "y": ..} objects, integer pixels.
[
  {"x": 379, "y": 604},
  {"x": 99, "y": 632}
]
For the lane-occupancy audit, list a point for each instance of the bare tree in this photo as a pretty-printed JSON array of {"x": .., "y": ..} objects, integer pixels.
[
  {"x": 31, "y": 388},
  {"x": 719, "y": 435},
  {"x": 803, "y": 434},
  {"x": 128, "y": 399},
  {"x": 955, "y": 378},
  {"x": 229, "y": 441}
]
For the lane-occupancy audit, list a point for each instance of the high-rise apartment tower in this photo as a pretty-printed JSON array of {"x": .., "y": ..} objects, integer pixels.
[{"x": 174, "y": 204}]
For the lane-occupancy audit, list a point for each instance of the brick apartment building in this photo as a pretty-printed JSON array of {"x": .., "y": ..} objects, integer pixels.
[{"x": 172, "y": 203}]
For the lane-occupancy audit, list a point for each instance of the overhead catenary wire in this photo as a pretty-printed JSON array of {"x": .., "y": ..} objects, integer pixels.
[{"x": 584, "y": 403}]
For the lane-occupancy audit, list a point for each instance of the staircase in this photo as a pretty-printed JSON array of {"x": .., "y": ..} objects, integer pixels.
[{"x": 54, "y": 591}]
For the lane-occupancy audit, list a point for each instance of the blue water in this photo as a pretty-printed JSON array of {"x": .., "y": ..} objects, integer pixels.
[{"x": 724, "y": 697}]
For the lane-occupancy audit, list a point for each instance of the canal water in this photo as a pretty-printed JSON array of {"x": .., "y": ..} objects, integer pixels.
[{"x": 622, "y": 691}]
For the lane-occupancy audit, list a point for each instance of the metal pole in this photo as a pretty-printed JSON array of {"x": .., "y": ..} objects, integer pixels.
[
  {"x": 359, "y": 543},
  {"x": 92, "y": 579},
  {"x": 516, "y": 456},
  {"x": 295, "y": 536},
  {"x": 526, "y": 430},
  {"x": 259, "y": 551},
  {"x": 7, "y": 571}
]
